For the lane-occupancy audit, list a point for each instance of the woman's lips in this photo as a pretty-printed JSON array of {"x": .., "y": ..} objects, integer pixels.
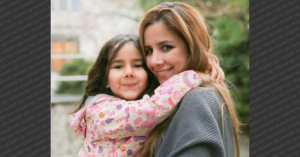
[{"x": 162, "y": 72}]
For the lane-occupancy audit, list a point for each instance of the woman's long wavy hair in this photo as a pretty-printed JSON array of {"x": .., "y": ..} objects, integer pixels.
[
  {"x": 98, "y": 74},
  {"x": 189, "y": 24}
]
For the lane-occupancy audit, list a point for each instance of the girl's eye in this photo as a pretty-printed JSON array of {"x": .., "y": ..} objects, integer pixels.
[
  {"x": 167, "y": 47},
  {"x": 117, "y": 67},
  {"x": 138, "y": 65},
  {"x": 149, "y": 51}
]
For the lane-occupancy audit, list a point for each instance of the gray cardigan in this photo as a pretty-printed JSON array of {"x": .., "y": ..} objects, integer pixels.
[{"x": 196, "y": 128}]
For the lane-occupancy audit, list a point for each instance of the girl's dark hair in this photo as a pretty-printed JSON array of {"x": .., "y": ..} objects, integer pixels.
[{"x": 98, "y": 74}]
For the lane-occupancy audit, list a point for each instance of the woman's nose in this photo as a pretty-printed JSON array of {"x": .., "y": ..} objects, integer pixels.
[{"x": 156, "y": 59}]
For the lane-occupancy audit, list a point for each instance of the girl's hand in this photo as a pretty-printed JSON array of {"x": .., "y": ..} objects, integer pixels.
[
  {"x": 205, "y": 77},
  {"x": 215, "y": 71}
]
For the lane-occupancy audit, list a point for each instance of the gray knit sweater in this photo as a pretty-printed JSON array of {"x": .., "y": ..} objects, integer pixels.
[{"x": 196, "y": 128}]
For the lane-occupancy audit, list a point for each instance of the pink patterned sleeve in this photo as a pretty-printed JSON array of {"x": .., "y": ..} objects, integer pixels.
[
  {"x": 78, "y": 123},
  {"x": 115, "y": 118},
  {"x": 78, "y": 119}
]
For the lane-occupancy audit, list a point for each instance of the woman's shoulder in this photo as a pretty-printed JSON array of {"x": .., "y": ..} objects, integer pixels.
[
  {"x": 203, "y": 97},
  {"x": 205, "y": 103},
  {"x": 203, "y": 90},
  {"x": 197, "y": 121}
]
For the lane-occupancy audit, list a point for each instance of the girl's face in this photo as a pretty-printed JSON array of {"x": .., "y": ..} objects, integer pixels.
[
  {"x": 166, "y": 52},
  {"x": 127, "y": 78}
]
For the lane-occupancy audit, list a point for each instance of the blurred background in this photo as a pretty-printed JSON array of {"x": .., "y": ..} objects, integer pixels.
[{"x": 80, "y": 28}]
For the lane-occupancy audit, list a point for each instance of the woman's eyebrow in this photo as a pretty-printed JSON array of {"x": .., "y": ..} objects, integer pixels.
[
  {"x": 161, "y": 43},
  {"x": 165, "y": 41}
]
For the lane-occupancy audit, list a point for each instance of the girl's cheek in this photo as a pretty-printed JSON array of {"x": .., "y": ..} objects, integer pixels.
[{"x": 146, "y": 78}]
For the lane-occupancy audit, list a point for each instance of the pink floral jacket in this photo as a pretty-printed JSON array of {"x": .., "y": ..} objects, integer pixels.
[{"x": 111, "y": 127}]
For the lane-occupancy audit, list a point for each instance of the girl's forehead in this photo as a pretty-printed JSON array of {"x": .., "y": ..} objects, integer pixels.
[
  {"x": 127, "y": 51},
  {"x": 117, "y": 48}
]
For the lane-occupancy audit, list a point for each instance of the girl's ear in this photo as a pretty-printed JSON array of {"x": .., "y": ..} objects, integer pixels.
[{"x": 107, "y": 85}]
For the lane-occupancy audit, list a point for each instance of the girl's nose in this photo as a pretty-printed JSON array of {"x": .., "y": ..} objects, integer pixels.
[{"x": 128, "y": 71}]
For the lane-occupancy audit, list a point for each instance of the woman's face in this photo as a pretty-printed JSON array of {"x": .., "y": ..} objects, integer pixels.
[
  {"x": 166, "y": 52},
  {"x": 127, "y": 78}
]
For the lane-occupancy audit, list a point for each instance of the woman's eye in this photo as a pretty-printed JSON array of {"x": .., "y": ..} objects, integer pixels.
[
  {"x": 167, "y": 47},
  {"x": 149, "y": 51}
]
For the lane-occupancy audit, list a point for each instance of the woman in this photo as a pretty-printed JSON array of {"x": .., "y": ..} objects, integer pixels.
[{"x": 174, "y": 38}]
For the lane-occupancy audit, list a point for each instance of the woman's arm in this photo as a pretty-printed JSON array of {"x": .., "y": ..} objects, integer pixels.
[
  {"x": 196, "y": 128},
  {"x": 118, "y": 117}
]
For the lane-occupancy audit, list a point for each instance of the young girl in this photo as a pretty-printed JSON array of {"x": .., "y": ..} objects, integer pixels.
[{"x": 113, "y": 127}]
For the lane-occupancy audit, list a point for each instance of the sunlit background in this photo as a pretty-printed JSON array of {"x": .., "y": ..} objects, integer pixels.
[{"x": 79, "y": 28}]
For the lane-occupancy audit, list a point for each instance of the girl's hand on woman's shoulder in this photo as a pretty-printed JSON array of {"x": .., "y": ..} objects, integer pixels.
[
  {"x": 205, "y": 77},
  {"x": 216, "y": 72}
]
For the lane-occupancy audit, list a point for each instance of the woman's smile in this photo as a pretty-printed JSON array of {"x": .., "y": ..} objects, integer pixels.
[{"x": 161, "y": 72}]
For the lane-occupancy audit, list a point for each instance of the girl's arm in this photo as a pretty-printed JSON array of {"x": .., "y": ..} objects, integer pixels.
[
  {"x": 78, "y": 119},
  {"x": 114, "y": 118}
]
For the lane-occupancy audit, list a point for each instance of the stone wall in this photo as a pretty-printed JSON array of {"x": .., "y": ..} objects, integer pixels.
[{"x": 63, "y": 141}]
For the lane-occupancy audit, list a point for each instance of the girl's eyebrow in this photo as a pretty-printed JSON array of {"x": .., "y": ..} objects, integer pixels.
[
  {"x": 120, "y": 60},
  {"x": 117, "y": 61},
  {"x": 137, "y": 59}
]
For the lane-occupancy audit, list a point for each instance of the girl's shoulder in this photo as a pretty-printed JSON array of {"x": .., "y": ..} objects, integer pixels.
[{"x": 94, "y": 98}]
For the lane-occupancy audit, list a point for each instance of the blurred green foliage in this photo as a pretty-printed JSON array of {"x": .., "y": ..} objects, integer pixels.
[
  {"x": 228, "y": 21},
  {"x": 75, "y": 67}
]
